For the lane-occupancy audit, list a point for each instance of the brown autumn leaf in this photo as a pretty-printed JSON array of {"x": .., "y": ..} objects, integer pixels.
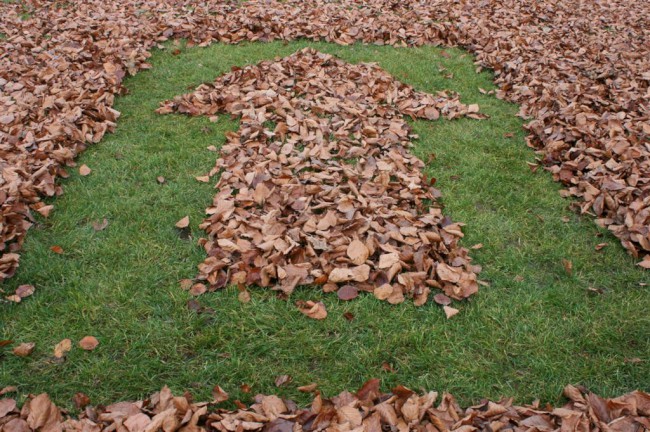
[
  {"x": 183, "y": 223},
  {"x": 645, "y": 263},
  {"x": 308, "y": 388},
  {"x": 88, "y": 343},
  {"x": 57, "y": 249},
  {"x": 314, "y": 310},
  {"x": 244, "y": 296},
  {"x": 161, "y": 180},
  {"x": 8, "y": 389},
  {"x": 100, "y": 225},
  {"x": 219, "y": 395},
  {"x": 282, "y": 380},
  {"x": 24, "y": 349},
  {"x": 25, "y": 291},
  {"x": 347, "y": 292},
  {"x": 80, "y": 400},
  {"x": 450, "y": 311},
  {"x": 442, "y": 299},
  {"x": 357, "y": 252},
  {"x": 348, "y": 316},
  {"x": 568, "y": 266},
  {"x": 62, "y": 348},
  {"x": 5, "y": 342},
  {"x": 245, "y": 388},
  {"x": 186, "y": 284},
  {"x": 84, "y": 170},
  {"x": 203, "y": 179},
  {"x": 198, "y": 288}
]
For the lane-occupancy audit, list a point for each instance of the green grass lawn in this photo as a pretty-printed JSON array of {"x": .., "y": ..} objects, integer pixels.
[{"x": 535, "y": 329}]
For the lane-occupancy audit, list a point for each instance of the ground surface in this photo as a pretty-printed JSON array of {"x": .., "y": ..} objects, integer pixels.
[{"x": 533, "y": 330}]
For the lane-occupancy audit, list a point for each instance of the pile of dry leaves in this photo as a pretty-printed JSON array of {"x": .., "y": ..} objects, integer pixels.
[
  {"x": 318, "y": 185},
  {"x": 579, "y": 69},
  {"x": 366, "y": 410}
]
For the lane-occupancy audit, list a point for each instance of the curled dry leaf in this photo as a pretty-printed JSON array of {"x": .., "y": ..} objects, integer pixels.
[
  {"x": 57, "y": 250},
  {"x": 450, "y": 311},
  {"x": 219, "y": 395},
  {"x": 308, "y": 388},
  {"x": 24, "y": 349},
  {"x": 84, "y": 170},
  {"x": 88, "y": 343},
  {"x": 314, "y": 310},
  {"x": 183, "y": 223},
  {"x": 25, "y": 291},
  {"x": 100, "y": 225},
  {"x": 80, "y": 400},
  {"x": 62, "y": 348},
  {"x": 282, "y": 380}
]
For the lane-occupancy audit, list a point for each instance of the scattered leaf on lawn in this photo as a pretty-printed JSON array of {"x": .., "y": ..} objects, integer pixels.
[
  {"x": 88, "y": 343},
  {"x": 282, "y": 380},
  {"x": 84, "y": 170},
  {"x": 24, "y": 349},
  {"x": 62, "y": 348},
  {"x": 315, "y": 310},
  {"x": 450, "y": 311},
  {"x": 25, "y": 291},
  {"x": 100, "y": 225},
  {"x": 308, "y": 388},
  {"x": 568, "y": 266},
  {"x": 57, "y": 249},
  {"x": 183, "y": 223}
]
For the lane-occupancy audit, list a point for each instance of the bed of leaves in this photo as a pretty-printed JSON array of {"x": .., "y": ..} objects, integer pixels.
[
  {"x": 579, "y": 70},
  {"x": 319, "y": 186},
  {"x": 366, "y": 410}
]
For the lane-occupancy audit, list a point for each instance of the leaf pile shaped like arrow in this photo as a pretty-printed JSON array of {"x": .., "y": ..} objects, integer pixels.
[
  {"x": 319, "y": 186},
  {"x": 579, "y": 70}
]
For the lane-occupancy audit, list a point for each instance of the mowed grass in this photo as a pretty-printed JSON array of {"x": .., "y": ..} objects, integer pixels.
[{"x": 534, "y": 330}]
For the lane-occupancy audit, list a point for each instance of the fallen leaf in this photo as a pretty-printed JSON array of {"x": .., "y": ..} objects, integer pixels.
[
  {"x": 568, "y": 266},
  {"x": 442, "y": 299},
  {"x": 282, "y": 380},
  {"x": 183, "y": 223},
  {"x": 80, "y": 400},
  {"x": 25, "y": 291},
  {"x": 314, "y": 310},
  {"x": 357, "y": 252},
  {"x": 57, "y": 249},
  {"x": 308, "y": 388},
  {"x": 84, "y": 170},
  {"x": 88, "y": 343},
  {"x": 219, "y": 395},
  {"x": 161, "y": 180},
  {"x": 62, "y": 348},
  {"x": 450, "y": 311},
  {"x": 24, "y": 349},
  {"x": 347, "y": 292},
  {"x": 100, "y": 225}
]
